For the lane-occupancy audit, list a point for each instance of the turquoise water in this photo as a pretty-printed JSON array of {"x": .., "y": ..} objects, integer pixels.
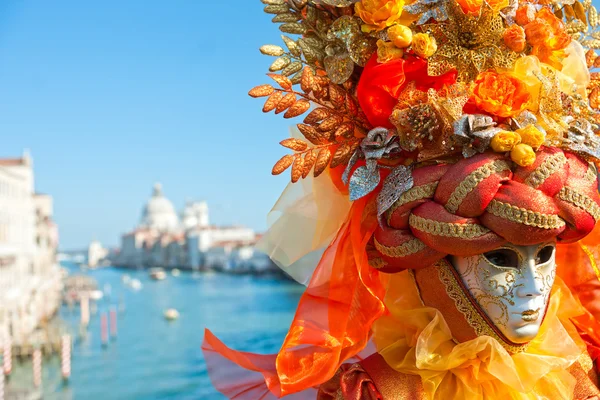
[{"x": 152, "y": 358}]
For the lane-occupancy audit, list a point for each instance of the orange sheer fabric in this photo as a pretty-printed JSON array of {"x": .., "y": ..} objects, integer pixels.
[
  {"x": 332, "y": 323},
  {"x": 579, "y": 266}
]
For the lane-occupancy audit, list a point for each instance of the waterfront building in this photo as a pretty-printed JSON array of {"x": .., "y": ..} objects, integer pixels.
[
  {"x": 165, "y": 239},
  {"x": 30, "y": 279},
  {"x": 96, "y": 253}
]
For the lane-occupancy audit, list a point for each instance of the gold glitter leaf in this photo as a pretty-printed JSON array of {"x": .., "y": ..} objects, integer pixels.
[
  {"x": 590, "y": 57},
  {"x": 579, "y": 12},
  {"x": 285, "y": 103},
  {"x": 342, "y": 155},
  {"x": 283, "y": 81},
  {"x": 292, "y": 46},
  {"x": 336, "y": 96},
  {"x": 261, "y": 91},
  {"x": 312, "y": 135},
  {"x": 273, "y": 2},
  {"x": 297, "y": 168},
  {"x": 307, "y": 81},
  {"x": 272, "y": 50},
  {"x": 283, "y": 164},
  {"x": 322, "y": 161},
  {"x": 309, "y": 162},
  {"x": 272, "y": 101},
  {"x": 280, "y": 63},
  {"x": 293, "y": 28},
  {"x": 291, "y": 69},
  {"x": 345, "y": 130},
  {"x": 294, "y": 144},
  {"x": 311, "y": 49},
  {"x": 593, "y": 16},
  {"x": 351, "y": 105},
  {"x": 559, "y": 14},
  {"x": 297, "y": 78},
  {"x": 285, "y": 17},
  {"x": 595, "y": 98},
  {"x": 597, "y": 63},
  {"x": 317, "y": 115},
  {"x": 276, "y": 8},
  {"x": 569, "y": 12},
  {"x": 330, "y": 123},
  {"x": 299, "y": 108}
]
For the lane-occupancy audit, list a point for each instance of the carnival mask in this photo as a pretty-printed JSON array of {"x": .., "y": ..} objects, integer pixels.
[{"x": 512, "y": 285}]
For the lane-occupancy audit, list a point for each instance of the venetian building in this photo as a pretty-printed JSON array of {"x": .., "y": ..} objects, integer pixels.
[{"x": 159, "y": 214}]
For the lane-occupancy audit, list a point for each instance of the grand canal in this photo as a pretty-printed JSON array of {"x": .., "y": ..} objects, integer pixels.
[{"x": 152, "y": 358}]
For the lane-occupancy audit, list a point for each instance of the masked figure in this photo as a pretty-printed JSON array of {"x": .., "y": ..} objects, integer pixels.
[{"x": 443, "y": 208}]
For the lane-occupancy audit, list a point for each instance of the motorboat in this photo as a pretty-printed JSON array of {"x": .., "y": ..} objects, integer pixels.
[{"x": 158, "y": 274}]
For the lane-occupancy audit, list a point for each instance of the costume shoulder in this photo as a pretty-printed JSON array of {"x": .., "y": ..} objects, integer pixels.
[{"x": 371, "y": 379}]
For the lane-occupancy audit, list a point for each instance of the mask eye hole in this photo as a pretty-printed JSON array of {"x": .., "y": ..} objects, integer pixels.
[
  {"x": 503, "y": 258},
  {"x": 544, "y": 255}
]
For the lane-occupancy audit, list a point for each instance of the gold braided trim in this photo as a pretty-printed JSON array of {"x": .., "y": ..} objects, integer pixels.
[
  {"x": 413, "y": 194},
  {"x": 549, "y": 166},
  {"x": 524, "y": 216},
  {"x": 447, "y": 229},
  {"x": 580, "y": 200},
  {"x": 405, "y": 249},
  {"x": 471, "y": 182},
  {"x": 377, "y": 263},
  {"x": 591, "y": 173},
  {"x": 473, "y": 315}
]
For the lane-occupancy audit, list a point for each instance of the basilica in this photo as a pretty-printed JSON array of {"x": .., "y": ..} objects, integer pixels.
[{"x": 165, "y": 239}]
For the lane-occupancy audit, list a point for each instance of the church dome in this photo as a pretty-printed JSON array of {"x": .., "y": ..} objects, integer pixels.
[{"x": 159, "y": 213}]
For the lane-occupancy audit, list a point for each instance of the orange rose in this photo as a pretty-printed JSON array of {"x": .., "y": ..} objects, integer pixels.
[
  {"x": 537, "y": 32},
  {"x": 500, "y": 94},
  {"x": 378, "y": 14},
  {"x": 548, "y": 36},
  {"x": 514, "y": 38},
  {"x": 525, "y": 14},
  {"x": 472, "y": 7}
]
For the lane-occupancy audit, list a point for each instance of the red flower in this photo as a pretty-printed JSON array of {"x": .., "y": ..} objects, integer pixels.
[{"x": 380, "y": 85}]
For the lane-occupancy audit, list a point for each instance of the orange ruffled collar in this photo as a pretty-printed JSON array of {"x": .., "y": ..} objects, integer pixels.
[{"x": 416, "y": 339}]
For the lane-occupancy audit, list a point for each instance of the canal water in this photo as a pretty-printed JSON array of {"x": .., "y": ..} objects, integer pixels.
[{"x": 152, "y": 358}]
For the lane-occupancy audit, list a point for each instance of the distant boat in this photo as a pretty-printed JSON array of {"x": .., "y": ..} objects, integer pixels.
[
  {"x": 158, "y": 274},
  {"x": 175, "y": 272},
  {"x": 135, "y": 284},
  {"x": 171, "y": 314}
]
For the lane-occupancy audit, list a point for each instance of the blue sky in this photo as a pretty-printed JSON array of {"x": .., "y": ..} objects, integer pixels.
[{"x": 112, "y": 96}]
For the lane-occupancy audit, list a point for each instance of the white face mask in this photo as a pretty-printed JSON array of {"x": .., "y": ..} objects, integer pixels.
[{"x": 512, "y": 286}]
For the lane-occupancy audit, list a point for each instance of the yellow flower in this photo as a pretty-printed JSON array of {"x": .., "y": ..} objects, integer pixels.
[
  {"x": 424, "y": 45},
  {"x": 532, "y": 136},
  {"x": 504, "y": 141},
  {"x": 386, "y": 51},
  {"x": 378, "y": 14},
  {"x": 523, "y": 155},
  {"x": 400, "y": 35}
]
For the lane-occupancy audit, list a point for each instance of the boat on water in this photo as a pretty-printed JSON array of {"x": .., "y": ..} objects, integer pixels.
[
  {"x": 158, "y": 274},
  {"x": 171, "y": 314}
]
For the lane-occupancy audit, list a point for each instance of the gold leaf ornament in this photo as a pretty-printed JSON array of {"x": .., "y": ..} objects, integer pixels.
[
  {"x": 272, "y": 102},
  {"x": 282, "y": 81},
  {"x": 317, "y": 115},
  {"x": 276, "y": 8},
  {"x": 292, "y": 46},
  {"x": 261, "y": 91},
  {"x": 307, "y": 82},
  {"x": 341, "y": 155},
  {"x": 294, "y": 144},
  {"x": 285, "y": 103},
  {"x": 294, "y": 28},
  {"x": 580, "y": 12},
  {"x": 292, "y": 68},
  {"x": 312, "y": 135},
  {"x": 323, "y": 159},
  {"x": 272, "y": 50},
  {"x": 280, "y": 63},
  {"x": 309, "y": 162},
  {"x": 299, "y": 108},
  {"x": 284, "y": 163},
  {"x": 297, "y": 168}
]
